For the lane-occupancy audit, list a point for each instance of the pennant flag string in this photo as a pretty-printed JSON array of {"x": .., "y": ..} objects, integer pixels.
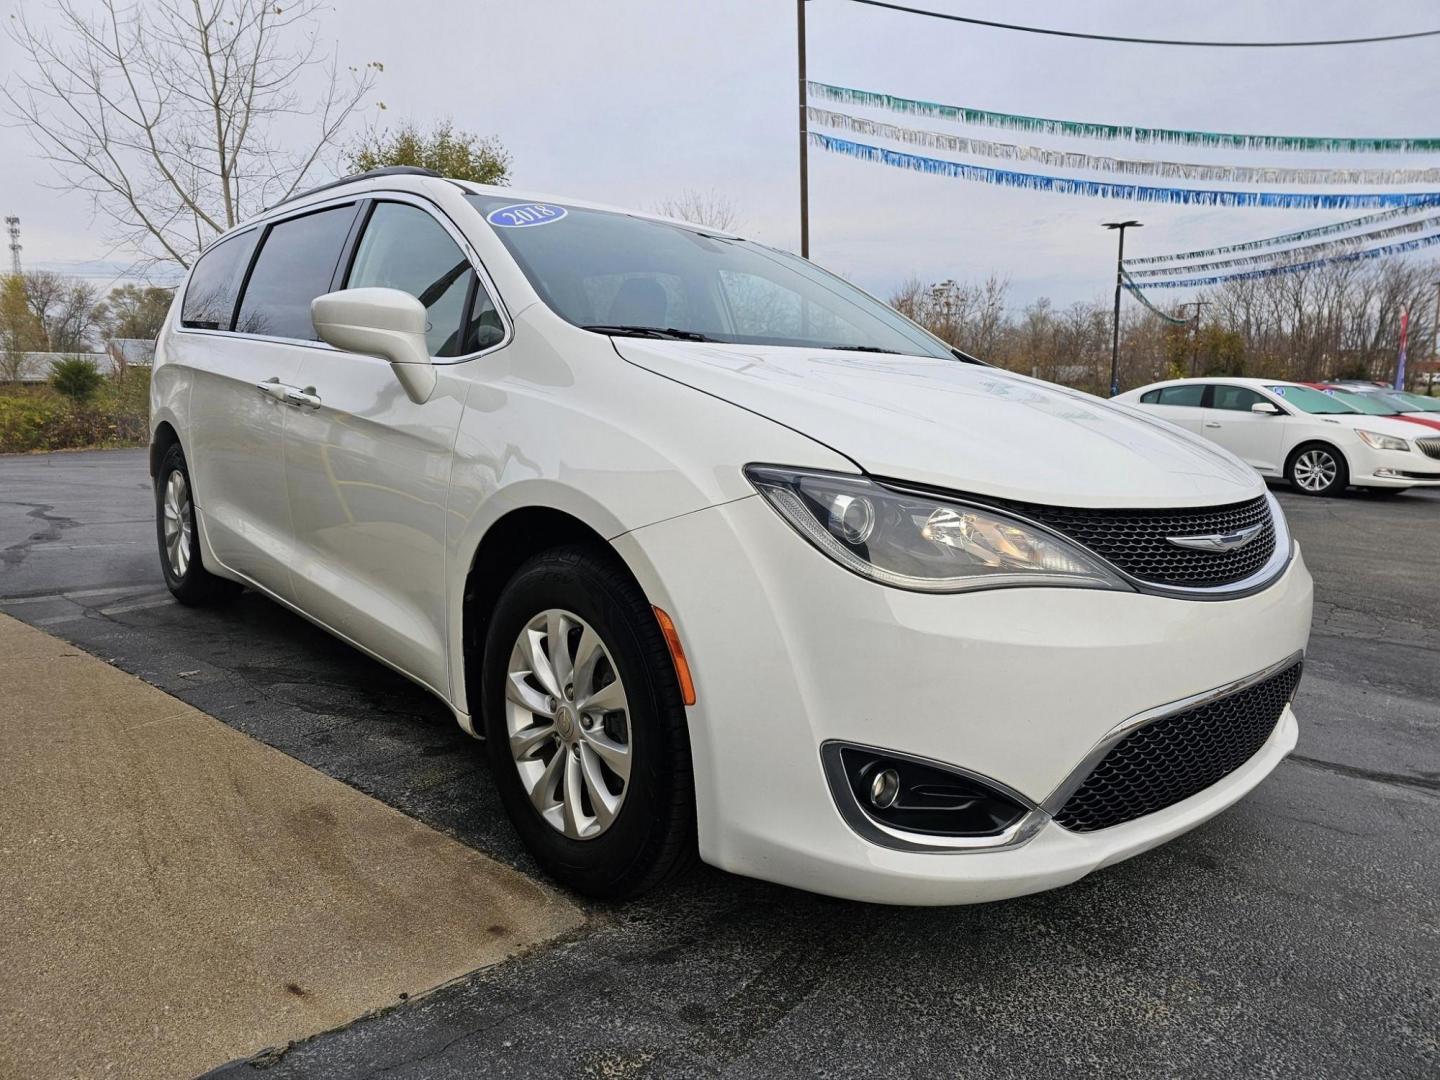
[
  {"x": 1066, "y": 159},
  {"x": 1277, "y": 241},
  {"x": 1389, "y": 249},
  {"x": 1291, "y": 254},
  {"x": 1135, "y": 292},
  {"x": 1129, "y": 132},
  {"x": 1107, "y": 190}
]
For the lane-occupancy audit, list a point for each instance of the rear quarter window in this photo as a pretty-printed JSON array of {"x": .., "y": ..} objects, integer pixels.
[{"x": 215, "y": 283}]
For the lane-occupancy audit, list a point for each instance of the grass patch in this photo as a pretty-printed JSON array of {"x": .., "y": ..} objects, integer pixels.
[{"x": 34, "y": 418}]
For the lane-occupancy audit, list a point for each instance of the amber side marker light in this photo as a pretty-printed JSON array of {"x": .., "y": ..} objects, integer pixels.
[{"x": 677, "y": 654}]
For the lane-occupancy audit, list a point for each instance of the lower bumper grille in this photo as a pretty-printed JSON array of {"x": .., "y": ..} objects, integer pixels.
[{"x": 1179, "y": 755}]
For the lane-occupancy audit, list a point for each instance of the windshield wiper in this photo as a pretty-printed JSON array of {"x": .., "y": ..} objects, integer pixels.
[
  {"x": 649, "y": 331},
  {"x": 862, "y": 348}
]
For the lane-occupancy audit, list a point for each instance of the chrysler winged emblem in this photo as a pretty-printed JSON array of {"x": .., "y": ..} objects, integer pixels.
[{"x": 1231, "y": 541}]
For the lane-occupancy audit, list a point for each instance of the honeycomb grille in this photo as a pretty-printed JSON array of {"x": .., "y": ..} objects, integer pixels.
[
  {"x": 1134, "y": 540},
  {"x": 1179, "y": 755},
  {"x": 1430, "y": 447}
]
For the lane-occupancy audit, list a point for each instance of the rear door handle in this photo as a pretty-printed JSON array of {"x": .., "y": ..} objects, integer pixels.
[
  {"x": 273, "y": 387},
  {"x": 306, "y": 398},
  {"x": 1211, "y": 423}
]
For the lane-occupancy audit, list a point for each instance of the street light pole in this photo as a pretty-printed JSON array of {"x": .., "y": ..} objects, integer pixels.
[
  {"x": 1195, "y": 333},
  {"x": 1121, "y": 226},
  {"x": 804, "y": 136}
]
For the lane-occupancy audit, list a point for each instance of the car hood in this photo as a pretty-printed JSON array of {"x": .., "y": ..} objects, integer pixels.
[
  {"x": 1403, "y": 425},
  {"x": 960, "y": 426}
]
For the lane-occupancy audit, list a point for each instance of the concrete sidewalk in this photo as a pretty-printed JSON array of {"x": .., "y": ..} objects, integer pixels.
[{"x": 177, "y": 895}]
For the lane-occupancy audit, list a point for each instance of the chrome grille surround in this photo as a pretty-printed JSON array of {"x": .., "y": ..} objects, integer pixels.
[
  {"x": 1135, "y": 541},
  {"x": 1166, "y": 755},
  {"x": 1429, "y": 447},
  {"x": 1230, "y": 575}
]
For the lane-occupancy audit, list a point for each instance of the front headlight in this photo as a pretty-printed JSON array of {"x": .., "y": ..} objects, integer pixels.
[
  {"x": 923, "y": 542},
  {"x": 1382, "y": 442}
]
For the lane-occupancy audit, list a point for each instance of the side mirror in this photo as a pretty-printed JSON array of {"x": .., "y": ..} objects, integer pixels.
[
  {"x": 386, "y": 323},
  {"x": 1265, "y": 408}
]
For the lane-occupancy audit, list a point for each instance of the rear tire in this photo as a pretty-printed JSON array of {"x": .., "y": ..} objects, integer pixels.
[
  {"x": 185, "y": 573},
  {"x": 586, "y": 728},
  {"x": 1317, "y": 469}
]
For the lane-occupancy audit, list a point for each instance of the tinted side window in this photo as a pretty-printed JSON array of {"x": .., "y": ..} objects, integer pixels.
[
  {"x": 1188, "y": 394},
  {"x": 215, "y": 283},
  {"x": 1150, "y": 397},
  {"x": 1237, "y": 398},
  {"x": 405, "y": 248},
  {"x": 295, "y": 266}
]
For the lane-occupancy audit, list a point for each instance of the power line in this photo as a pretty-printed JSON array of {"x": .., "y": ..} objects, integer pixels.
[{"x": 1140, "y": 40}]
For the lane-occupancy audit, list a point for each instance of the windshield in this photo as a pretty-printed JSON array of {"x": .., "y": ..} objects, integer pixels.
[
  {"x": 1368, "y": 403},
  {"x": 1310, "y": 401},
  {"x": 615, "y": 273},
  {"x": 1415, "y": 402}
]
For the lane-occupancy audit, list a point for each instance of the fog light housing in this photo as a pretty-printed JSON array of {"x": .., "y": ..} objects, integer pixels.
[
  {"x": 885, "y": 794},
  {"x": 884, "y": 788}
]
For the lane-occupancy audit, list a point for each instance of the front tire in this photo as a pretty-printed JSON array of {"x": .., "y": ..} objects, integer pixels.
[
  {"x": 586, "y": 727},
  {"x": 185, "y": 573},
  {"x": 1317, "y": 469}
]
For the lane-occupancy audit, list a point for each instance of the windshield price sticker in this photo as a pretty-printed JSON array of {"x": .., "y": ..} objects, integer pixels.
[{"x": 524, "y": 215}]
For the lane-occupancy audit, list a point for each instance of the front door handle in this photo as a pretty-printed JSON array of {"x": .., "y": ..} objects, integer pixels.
[
  {"x": 273, "y": 387},
  {"x": 1211, "y": 423},
  {"x": 306, "y": 398}
]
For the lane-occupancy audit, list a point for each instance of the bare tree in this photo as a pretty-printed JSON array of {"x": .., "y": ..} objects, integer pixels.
[
  {"x": 168, "y": 113},
  {"x": 710, "y": 208},
  {"x": 1338, "y": 320},
  {"x": 64, "y": 308}
]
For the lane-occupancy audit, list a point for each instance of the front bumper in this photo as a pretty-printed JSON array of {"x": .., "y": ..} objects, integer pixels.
[
  {"x": 789, "y": 651},
  {"x": 1393, "y": 468}
]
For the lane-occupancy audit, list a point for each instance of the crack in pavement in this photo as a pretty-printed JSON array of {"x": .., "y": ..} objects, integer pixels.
[
  {"x": 15, "y": 554},
  {"x": 1429, "y": 784}
]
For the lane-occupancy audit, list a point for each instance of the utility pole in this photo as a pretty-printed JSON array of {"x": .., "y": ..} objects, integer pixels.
[
  {"x": 1120, "y": 226},
  {"x": 12, "y": 226},
  {"x": 804, "y": 136},
  {"x": 1195, "y": 333}
]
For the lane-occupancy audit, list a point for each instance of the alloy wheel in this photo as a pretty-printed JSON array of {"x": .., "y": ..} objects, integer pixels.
[
  {"x": 1315, "y": 470},
  {"x": 568, "y": 722},
  {"x": 176, "y": 510}
]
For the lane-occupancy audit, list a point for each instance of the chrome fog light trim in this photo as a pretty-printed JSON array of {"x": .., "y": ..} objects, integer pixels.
[{"x": 855, "y": 788}]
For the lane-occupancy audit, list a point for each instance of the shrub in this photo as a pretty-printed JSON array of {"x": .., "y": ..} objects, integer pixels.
[
  {"x": 26, "y": 423},
  {"x": 77, "y": 378},
  {"x": 38, "y": 418}
]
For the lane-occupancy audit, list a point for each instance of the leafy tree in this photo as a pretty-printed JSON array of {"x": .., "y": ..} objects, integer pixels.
[
  {"x": 134, "y": 311},
  {"x": 20, "y": 330},
  {"x": 456, "y": 154},
  {"x": 170, "y": 114},
  {"x": 76, "y": 377}
]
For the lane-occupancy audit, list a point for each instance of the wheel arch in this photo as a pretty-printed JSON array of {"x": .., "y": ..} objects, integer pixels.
[
  {"x": 506, "y": 545},
  {"x": 161, "y": 439}
]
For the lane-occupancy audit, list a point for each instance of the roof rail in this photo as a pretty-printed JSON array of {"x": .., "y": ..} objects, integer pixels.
[{"x": 388, "y": 170}]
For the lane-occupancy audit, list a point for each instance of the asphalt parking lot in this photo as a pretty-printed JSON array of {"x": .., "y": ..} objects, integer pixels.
[{"x": 1298, "y": 934}]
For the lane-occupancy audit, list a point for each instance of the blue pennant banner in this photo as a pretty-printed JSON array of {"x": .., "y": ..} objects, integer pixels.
[
  {"x": 1072, "y": 159},
  {"x": 1281, "y": 240},
  {"x": 1101, "y": 189},
  {"x": 1356, "y": 256},
  {"x": 1296, "y": 254},
  {"x": 1135, "y": 292}
]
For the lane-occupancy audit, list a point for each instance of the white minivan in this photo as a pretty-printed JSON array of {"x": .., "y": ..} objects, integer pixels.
[{"x": 720, "y": 555}]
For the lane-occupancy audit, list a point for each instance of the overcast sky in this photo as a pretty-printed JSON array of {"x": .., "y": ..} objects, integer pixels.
[{"x": 628, "y": 101}]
